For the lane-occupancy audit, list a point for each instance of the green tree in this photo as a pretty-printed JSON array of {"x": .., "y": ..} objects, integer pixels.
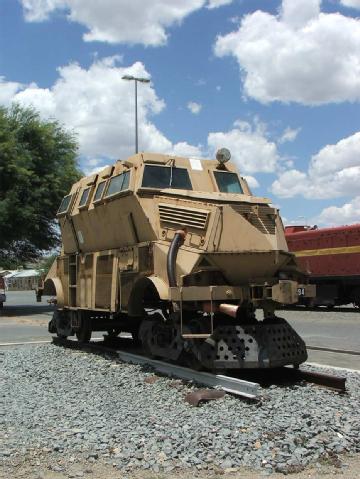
[
  {"x": 45, "y": 263},
  {"x": 37, "y": 168}
]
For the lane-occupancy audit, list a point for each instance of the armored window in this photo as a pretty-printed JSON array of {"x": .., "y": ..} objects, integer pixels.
[
  {"x": 99, "y": 191},
  {"x": 84, "y": 197},
  {"x": 118, "y": 183},
  {"x": 228, "y": 182},
  {"x": 64, "y": 206},
  {"x": 166, "y": 177}
]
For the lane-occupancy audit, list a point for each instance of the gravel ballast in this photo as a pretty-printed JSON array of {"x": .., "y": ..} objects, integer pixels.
[{"x": 66, "y": 402}]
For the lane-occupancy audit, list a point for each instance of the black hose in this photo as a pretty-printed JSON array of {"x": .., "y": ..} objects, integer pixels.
[{"x": 176, "y": 242}]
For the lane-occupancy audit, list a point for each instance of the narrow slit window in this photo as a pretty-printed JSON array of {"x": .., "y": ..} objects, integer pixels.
[
  {"x": 118, "y": 183},
  {"x": 65, "y": 203},
  {"x": 84, "y": 197},
  {"x": 99, "y": 191}
]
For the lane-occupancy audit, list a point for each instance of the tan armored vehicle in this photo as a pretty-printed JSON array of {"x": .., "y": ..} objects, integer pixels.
[{"x": 178, "y": 252}]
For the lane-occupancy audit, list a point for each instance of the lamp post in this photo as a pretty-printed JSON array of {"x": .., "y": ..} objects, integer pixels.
[{"x": 136, "y": 80}]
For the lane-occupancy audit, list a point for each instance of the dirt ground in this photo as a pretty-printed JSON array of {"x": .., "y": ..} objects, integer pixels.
[{"x": 41, "y": 468}]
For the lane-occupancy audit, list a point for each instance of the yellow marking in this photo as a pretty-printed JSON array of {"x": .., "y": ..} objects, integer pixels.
[{"x": 325, "y": 251}]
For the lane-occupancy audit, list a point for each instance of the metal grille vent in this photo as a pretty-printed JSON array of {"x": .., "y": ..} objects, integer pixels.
[
  {"x": 261, "y": 217},
  {"x": 183, "y": 216}
]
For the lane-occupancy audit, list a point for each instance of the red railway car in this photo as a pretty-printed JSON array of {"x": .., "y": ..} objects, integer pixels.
[{"x": 332, "y": 258}]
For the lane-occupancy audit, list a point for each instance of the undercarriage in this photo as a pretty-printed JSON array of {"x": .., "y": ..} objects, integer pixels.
[
  {"x": 255, "y": 344},
  {"x": 248, "y": 344}
]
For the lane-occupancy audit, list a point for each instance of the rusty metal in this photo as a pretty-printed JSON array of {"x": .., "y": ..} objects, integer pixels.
[
  {"x": 151, "y": 379},
  {"x": 334, "y": 382},
  {"x": 201, "y": 395}
]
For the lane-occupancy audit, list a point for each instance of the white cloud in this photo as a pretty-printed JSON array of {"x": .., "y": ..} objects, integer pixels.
[
  {"x": 90, "y": 167},
  {"x": 99, "y": 107},
  {"x": 251, "y": 150},
  {"x": 184, "y": 149},
  {"x": 8, "y": 90},
  {"x": 252, "y": 181},
  {"x": 218, "y": 3},
  {"x": 39, "y": 10},
  {"x": 351, "y": 3},
  {"x": 301, "y": 55},
  {"x": 194, "y": 107},
  {"x": 120, "y": 21},
  {"x": 332, "y": 158},
  {"x": 349, "y": 213},
  {"x": 333, "y": 172},
  {"x": 289, "y": 134},
  {"x": 290, "y": 183}
]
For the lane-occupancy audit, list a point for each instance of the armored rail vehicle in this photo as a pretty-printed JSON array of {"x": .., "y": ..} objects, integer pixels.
[{"x": 180, "y": 253}]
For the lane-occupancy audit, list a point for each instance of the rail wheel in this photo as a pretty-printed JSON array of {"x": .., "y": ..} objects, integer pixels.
[
  {"x": 147, "y": 338},
  {"x": 113, "y": 332},
  {"x": 189, "y": 360},
  {"x": 83, "y": 332},
  {"x": 188, "y": 356}
]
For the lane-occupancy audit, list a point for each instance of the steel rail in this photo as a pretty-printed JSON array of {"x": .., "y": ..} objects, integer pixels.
[
  {"x": 234, "y": 385},
  {"x": 321, "y": 309},
  {"x": 246, "y": 389},
  {"x": 24, "y": 343},
  {"x": 334, "y": 382},
  {"x": 334, "y": 350}
]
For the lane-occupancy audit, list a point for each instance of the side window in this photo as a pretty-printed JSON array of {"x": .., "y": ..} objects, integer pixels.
[
  {"x": 84, "y": 197},
  {"x": 118, "y": 183},
  {"x": 228, "y": 182},
  {"x": 64, "y": 205},
  {"x": 99, "y": 191}
]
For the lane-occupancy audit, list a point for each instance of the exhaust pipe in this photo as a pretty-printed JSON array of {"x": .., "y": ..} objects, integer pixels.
[
  {"x": 229, "y": 309},
  {"x": 175, "y": 244}
]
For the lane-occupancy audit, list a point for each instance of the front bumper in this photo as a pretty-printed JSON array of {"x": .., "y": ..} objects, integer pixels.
[{"x": 283, "y": 292}]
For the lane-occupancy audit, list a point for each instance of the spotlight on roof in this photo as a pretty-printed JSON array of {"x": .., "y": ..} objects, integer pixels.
[{"x": 223, "y": 155}]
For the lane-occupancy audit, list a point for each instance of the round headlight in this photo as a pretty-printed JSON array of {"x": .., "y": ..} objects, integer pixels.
[{"x": 223, "y": 155}]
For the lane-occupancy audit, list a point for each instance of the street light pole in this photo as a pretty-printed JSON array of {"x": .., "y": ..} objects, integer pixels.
[
  {"x": 136, "y": 80},
  {"x": 136, "y": 120}
]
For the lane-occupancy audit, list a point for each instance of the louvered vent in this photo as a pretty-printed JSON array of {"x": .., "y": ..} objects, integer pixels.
[
  {"x": 183, "y": 216},
  {"x": 262, "y": 217}
]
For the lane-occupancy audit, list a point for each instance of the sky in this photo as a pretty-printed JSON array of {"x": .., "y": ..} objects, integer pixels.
[{"x": 276, "y": 82}]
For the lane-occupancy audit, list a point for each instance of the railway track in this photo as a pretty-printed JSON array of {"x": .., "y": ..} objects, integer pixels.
[
  {"x": 244, "y": 383},
  {"x": 333, "y": 350},
  {"x": 321, "y": 309}
]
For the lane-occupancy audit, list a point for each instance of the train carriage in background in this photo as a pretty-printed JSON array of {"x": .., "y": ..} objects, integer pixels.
[{"x": 332, "y": 258}]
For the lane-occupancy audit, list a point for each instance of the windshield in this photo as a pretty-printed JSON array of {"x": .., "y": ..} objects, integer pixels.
[
  {"x": 166, "y": 177},
  {"x": 228, "y": 182}
]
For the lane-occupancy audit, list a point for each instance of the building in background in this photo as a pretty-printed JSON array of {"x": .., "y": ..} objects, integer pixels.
[{"x": 26, "y": 279}]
